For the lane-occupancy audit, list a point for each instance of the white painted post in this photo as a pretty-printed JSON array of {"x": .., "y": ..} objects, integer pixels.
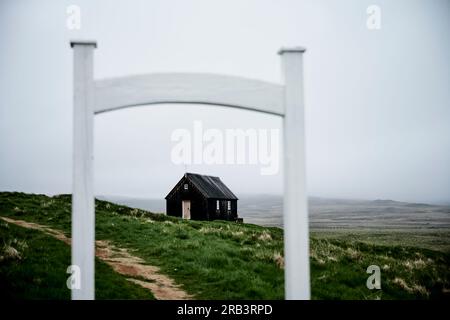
[
  {"x": 83, "y": 207},
  {"x": 295, "y": 205}
]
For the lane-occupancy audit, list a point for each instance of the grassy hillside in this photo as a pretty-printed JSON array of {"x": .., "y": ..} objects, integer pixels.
[
  {"x": 33, "y": 266},
  {"x": 224, "y": 260}
]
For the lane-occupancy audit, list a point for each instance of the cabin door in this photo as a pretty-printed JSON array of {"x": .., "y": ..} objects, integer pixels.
[{"x": 186, "y": 209}]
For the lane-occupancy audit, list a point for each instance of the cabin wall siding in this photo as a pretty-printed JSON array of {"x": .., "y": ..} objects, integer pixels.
[{"x": 223, "y": 213}]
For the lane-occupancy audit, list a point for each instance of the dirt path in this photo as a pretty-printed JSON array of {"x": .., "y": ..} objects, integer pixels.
[{"x": 147, "y": 276}]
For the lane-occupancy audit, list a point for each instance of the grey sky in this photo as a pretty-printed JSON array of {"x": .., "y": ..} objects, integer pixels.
[{"x": 377, "y": 102}]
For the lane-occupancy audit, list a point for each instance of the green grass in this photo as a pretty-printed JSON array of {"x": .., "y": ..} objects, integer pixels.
[
  {"x": 33, "y": 266},
  {"x": 438, "y": 239},
  {"x": 225, "y": 260}
]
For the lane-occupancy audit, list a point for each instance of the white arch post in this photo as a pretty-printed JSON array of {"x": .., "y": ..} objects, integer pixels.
[
  {"x": 295, "y": 204},
  {"x": 83, "y": 207},
  {"x": 96, "y": 96}
]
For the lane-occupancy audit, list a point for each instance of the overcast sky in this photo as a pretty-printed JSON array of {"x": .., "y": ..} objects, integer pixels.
[{"x": 377, "y": 101}]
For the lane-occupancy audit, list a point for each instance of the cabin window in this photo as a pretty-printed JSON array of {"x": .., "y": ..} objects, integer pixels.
[
  {"x": 186, "y": 186},
  {"x": 229, "y": 205},
  {"x": 217, "y": 205}
]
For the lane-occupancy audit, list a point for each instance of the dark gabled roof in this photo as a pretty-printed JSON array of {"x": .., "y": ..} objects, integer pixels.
[{"x": 209, "y": 186}]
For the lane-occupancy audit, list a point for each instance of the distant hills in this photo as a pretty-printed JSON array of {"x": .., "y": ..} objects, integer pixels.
[{"x": 326, "y": 213}]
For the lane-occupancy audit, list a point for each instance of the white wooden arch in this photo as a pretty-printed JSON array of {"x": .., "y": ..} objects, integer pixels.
[
  {"x": 199, "y": 88},
  {"x": 286, "y": 100}
]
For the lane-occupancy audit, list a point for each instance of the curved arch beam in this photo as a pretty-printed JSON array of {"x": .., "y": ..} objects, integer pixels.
[{"x": 117, "y": 93}]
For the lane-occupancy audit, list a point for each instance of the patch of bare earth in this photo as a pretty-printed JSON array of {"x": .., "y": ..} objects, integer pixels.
[
  {"x": 162, "y": 287},
  {"x": 147, "y": 276}
]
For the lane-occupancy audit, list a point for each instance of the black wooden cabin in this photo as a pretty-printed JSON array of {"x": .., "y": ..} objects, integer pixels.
[{"x": 200, "y": 197}]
